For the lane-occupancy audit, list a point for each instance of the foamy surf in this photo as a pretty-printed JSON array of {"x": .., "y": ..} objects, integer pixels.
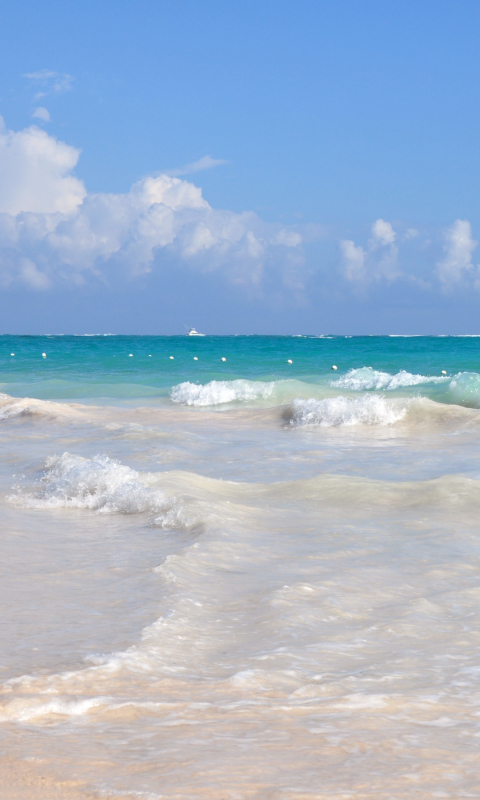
[
  {"x": 183, "y": 499},
  {"x": 346, "y": 411},
  {"x": 462, "y": 388},
  {"x": 221, "y": 392},
  {"x": 366, "y": 378}
]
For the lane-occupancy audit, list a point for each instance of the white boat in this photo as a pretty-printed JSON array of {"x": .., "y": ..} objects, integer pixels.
[{"x": 193, "y": 332}]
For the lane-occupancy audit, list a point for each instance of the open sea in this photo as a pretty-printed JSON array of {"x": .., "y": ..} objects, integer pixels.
[{"x": 230, "y": 571}]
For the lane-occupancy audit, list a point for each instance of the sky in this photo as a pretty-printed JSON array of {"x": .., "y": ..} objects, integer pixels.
[{"x": 241, "y": 167}]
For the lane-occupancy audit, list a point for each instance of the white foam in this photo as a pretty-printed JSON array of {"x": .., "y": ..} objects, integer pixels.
[
  {"x": 99, "y": 484},
  {"x": 464, "y": 389},
  {"x": 365, "y": 378},
  {"x": 337, "y": 411},
  {"x": 15, "y": 407},
  {"x": 105, "y": 486},
  {"x": 219, "y": 392},
  {"x": 21, "y": 408},
  {"x": 24, "y": 710}
]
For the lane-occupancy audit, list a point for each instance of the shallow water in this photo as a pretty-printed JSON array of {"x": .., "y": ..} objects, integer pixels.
[{"x": 243, "y": 579}]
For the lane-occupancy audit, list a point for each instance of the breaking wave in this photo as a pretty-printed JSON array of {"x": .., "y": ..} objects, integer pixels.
[
  {"x": 99, "y": 484},
  {"x": 219, "y": 392},
  {"x": 464, "y": 389},
  {"x": 367, "y": 378},
  {"x": 336, "y": 411},
  {"x": 103, "y": 485}
]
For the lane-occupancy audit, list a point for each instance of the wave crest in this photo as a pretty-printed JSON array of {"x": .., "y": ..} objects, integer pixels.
[
  {"x": 99, "y": 484},
  {"x": 464, "y": 389},
  {"x": 342, "y": 411},
  {"x": 366, "y": 378},
  {"x": 103, "y": 485},
  {"x": 220, "y": 392}
]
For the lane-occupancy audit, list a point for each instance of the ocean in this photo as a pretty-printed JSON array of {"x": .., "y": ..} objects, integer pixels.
[{"x": 230, "y": 570}]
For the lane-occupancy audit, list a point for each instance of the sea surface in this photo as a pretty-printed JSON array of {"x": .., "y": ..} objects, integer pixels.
[{"x": 242, "y": 567}]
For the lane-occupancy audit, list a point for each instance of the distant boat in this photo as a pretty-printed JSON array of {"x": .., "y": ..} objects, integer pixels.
[{"x": 193, "y": 332}]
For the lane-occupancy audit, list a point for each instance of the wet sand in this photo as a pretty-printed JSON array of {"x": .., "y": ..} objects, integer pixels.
[{"x": 29, "y": 780}]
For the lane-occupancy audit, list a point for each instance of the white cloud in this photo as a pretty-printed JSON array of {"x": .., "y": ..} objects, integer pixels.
[
  {"x": 353, "y": 257},
  {"x": 459, "y": 246},
  {"x": 31, "y": 276},
  {"x": 383, "y": 233},
  {"x": 41, "y": 113},
  {"x": 50, "y": 81},
  {"x": 52, "y": 229},
  {"x": 206, "y": 162},
  {"x": 35, "y": 173},
  {"x": 377, "y": 262}
]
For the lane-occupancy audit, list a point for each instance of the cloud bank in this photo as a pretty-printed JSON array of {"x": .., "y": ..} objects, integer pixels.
[{"x": 52, "y": 230}]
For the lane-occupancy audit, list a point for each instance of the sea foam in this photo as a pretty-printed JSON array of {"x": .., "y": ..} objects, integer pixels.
[
  {"x": 464, "y": 389},
  {"x": 366, "y": 378},
  {"x": 219, "y": 392},
  {"x": 103, "y": 485},
  {"x": 337, "y": 411},
  {"x": 99, "y": 483}
]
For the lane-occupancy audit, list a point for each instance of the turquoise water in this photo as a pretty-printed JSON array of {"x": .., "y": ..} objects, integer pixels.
[{"x": 83, "y": 367}]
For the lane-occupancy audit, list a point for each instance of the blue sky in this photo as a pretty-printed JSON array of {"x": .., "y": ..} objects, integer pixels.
[{"x": 263, "y": 167}]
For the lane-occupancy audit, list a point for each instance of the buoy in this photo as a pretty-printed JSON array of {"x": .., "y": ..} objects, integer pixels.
[
  {"x": 44, "y": 355},
  {"x": 289, "y": 361},
  {"x": 171, "y": 357},
  {"x": 334, "y": 366},
  {"x": 223, "y": 358},
  {"x": 195, "y": 358},
  {"x": 444, "y": 371}
]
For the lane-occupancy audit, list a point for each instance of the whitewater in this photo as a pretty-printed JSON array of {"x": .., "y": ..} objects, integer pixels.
[{"x": 229, "y": 570}]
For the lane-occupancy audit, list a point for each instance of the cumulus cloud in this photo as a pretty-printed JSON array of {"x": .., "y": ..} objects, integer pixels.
[
  {"x": 375, "y": 263},
  {"x": 51, "y": 229},
  {"x": 41, "y": 113},
  {"x": 457, "y": 261},
  {"x": 353, "y": 257},
  {"x": 206, "y": 162},
  {"x": 383, "y": 233},
  {"x": 35, "y": 173}
]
